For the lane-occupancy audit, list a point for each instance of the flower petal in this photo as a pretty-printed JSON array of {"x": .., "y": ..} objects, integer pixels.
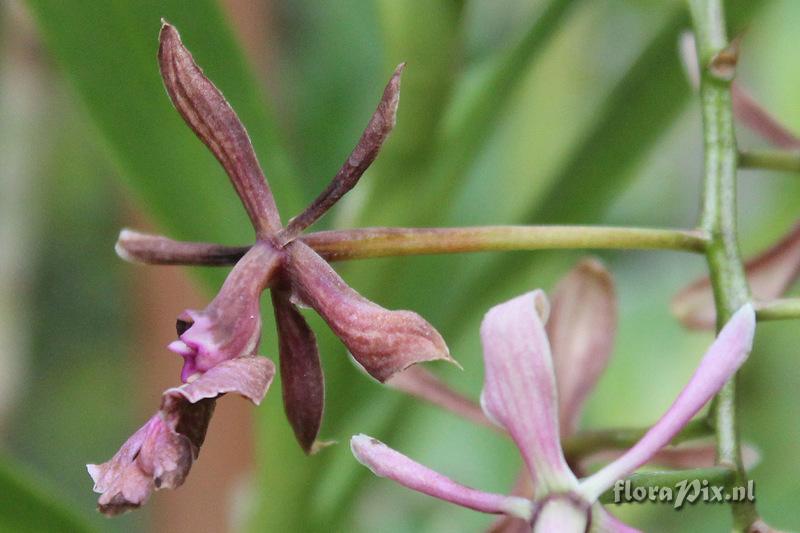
[
  {"x": 383, "y": 342},
  {"x": 581, "y": 328},
  {"x": 122, "y": 484},
  {"x": 302, "y": 381},
  {"x": 250, "y": 376},
  {"x": 605, "y": 522},
  {"x": 137, "y": 247},
  {"x": 380, "y": 125},
  {"x": 230, "y": 326},
  {"x": 769, "y": 275},
  {"x": 519, "y": 389},
  {"x": 206, "y": 111},
  {"x": 421, "y": 383},
  {"x": 523, "y": 487},
  {"x": 720, "y": 362},
  {"x": 161, "y": 453},
  {"x": 386, "y": 462}
]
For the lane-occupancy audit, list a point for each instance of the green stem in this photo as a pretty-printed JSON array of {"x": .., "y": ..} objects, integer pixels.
[
  {"x": 586, "y": 443},
  {"x": 786, "y": 160},
  {"x": 781, "y": 309},
  {"x": 384, "y": 242},
  {"x": 719, "y": 220}
]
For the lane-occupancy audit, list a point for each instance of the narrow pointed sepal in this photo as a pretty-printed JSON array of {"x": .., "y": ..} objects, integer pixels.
[
  {"x": 769, "y": 274},
  {"x": 386, "y": 462},
  {"x": 581, "y": 329},
  {"x": 137, "y": 247},
  {"x": 362, "y": 156},
  {"x": 728, "y": 352},
  {"x": 519, "y": 391},
  {"x": 302, "y": 380},
  {"x": 206, "y": 111},
  {"x": 383, "y": 342}
]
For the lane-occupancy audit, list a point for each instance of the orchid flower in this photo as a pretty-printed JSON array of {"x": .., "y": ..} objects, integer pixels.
[
  {"x": 219, "y": 343},
  {"x": 381, "y": 341},
  {"x": 581, "y": 329},
  {"x": 519, "y": 395}
]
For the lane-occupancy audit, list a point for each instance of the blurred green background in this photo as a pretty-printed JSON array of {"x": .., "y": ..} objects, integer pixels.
[{"x": 513, "y": 111}]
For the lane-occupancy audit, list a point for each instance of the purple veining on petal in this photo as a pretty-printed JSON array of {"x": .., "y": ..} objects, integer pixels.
[
  {"x": 519, "y": 388},
  {"x": 728, "y": 352},
  {"x": 206, "y": 111},
  {"x": 386, "y": 462},
  {"x": 383, "y": 342}
]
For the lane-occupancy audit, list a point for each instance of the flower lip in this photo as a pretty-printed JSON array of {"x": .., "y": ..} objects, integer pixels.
[{"x": 562, "y": 507}]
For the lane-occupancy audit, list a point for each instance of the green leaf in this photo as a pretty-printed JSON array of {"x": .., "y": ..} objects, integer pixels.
[
  {"x": 108, "y": 51},
  {"x": 26, "y": 506}
]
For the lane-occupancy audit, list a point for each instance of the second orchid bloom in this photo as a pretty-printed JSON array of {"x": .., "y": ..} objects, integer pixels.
[{"x": 519, "y": 395}]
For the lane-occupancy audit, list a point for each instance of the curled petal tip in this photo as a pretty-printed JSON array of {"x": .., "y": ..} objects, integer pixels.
[{"x": 383, "y": 342}]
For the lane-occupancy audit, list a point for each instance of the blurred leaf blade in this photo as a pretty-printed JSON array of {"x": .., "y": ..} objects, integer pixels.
[
  {"x": 27, "y": 506},
  {"x": 112, "y": 64}
]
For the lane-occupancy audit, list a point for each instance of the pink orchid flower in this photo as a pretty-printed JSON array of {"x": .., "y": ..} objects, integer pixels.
[{"x": 519, "y": 395}]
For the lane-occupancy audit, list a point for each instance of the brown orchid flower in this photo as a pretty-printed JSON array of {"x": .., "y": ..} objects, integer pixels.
[{"x": 228, "y": 330}]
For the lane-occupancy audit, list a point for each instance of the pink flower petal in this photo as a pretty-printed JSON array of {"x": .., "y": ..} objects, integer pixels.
[
  {"x": 206, "y": 111},
  {"x": 605, "y": 522},
  {"x": 519, "y": 388},
  {"x": 421, "y": 383},
  {"x": 302, "y": 381},
  {"x": 769, "y": 274},
  {"x": 581, "y": 328},
  {"x": 720, "y": 362},
  {"x": 383, "y": 342},
  {"x": 230, "y": 326},
  {"x": 386, "y": 462},
  {"x": 250, "y": 376}
]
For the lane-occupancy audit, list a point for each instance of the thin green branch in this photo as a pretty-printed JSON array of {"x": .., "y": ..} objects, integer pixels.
[
  {"x": 385, "y": 242},
  {"x": 719, "y": 216},
  {"x": 586, "y": 443},
  {"x": 786, "y": 160},
  {"x": 781, "y": 309}
]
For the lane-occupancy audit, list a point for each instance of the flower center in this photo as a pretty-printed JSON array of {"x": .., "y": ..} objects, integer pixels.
[{"x": 562, "y": 512}]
